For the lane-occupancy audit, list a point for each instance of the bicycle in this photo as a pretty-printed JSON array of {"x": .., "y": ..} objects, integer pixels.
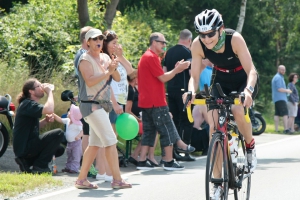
[{"x": 225, "y": 168}]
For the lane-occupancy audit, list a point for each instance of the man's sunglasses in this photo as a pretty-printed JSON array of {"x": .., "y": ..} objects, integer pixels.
[
  {"x": 101, "y": 37},
  {"x": 209, "y": 35},
  {"x": 163, "y": 42}
]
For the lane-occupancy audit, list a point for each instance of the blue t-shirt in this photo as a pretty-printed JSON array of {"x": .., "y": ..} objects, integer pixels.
[
  {"x": 205, "y": 77},
  {"x": 278, "y": 82}
]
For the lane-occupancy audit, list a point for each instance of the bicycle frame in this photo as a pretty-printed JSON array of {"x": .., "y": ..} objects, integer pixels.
[{"x": 232, "y": 175}]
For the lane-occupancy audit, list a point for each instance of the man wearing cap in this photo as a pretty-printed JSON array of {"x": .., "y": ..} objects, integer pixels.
[{"x": 152, "y": 100}]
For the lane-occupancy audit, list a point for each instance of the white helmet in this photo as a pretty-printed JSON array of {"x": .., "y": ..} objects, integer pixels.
[{"x": 208, "y": 20}]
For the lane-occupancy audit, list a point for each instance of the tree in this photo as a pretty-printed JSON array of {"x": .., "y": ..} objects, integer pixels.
[
  {"x": 83, "y": 12},
  {"x": 242, "y": 16},
  {"x": 110, "y": 12}
]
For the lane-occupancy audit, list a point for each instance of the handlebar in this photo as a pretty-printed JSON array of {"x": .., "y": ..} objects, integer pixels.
[{"x": 212, "y": 101}]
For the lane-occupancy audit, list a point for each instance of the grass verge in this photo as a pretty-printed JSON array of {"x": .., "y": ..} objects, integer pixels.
[{"x": 13, "y": 184}]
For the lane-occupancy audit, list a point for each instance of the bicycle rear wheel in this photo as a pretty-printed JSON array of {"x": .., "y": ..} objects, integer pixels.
[
  {"x": 242, "y": 193},
  {"x": 216, "y": 170}
]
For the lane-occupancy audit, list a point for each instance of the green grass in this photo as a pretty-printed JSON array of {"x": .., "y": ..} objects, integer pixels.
[
  {"x": 270, "y": 127},
  {"x": 13, "y": 184}
]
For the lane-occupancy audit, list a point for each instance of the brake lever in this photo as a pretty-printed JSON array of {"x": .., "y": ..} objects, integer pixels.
[
  {"x": 242, "y": 100},
  {"x": 245, "y": 109},
  {"x": 188, "y": 98}
]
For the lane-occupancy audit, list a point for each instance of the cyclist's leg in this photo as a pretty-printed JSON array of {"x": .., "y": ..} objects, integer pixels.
[
  {"x": 244, "y": 127},
  {"x": 238, "y": 111}
]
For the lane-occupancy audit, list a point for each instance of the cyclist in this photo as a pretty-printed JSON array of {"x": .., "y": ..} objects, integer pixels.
[{"x": 233, "y": 70}]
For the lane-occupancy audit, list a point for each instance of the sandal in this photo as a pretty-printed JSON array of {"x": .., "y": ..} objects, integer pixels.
[
  {"x": 120, "y": 184},
  {"x": 79, "y": 184}
]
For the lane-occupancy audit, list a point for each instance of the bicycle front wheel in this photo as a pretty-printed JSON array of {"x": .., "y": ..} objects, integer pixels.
[
  {"x": 242, "y": 193},
  {"x": 216, "y": 179}
]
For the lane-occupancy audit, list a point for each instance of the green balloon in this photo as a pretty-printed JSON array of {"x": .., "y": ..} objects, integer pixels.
[{"x": 127, "y": 126}]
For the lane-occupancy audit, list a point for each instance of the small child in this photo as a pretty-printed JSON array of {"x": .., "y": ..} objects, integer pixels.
[{"x": 73, "y": 135}]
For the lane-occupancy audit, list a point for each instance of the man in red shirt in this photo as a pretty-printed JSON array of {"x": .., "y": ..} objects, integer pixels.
[{"x": 152, "y": 101}]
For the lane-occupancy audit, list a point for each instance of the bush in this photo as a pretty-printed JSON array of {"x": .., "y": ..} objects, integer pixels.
[
  {"x": 35, "y": 35},
  {"x": 134, "y": 29},
  {"x": 40, "y": 39}
]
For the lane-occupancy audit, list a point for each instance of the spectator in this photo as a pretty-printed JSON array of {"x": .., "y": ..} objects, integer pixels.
[
  {"x": 118, "y": 97},
  {"x": 201, "y": 126},
  {"x": 73, "y": 135},
  {"x": 177, "y": 86},
  {"x": 205, "y": 76},
  {"x": 297, "y": 119},
  {"x": 119, "y": 89},
  {"x": 84, "y": 47},
  {"x": 30, "y": 147},
  {"x": 132, "y": 108},
  {"x": 279, "y": 97},
  {"x": 200, "y": 111},
  {"x": 85, "y": 137},
  {"x": 152, "y": 100},
  {"x": 96, "y": 70},
  {"x": 293, "y": 100}
]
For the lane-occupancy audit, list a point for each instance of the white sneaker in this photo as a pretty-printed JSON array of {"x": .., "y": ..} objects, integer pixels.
[
  {"x": 100, "y": 176},
  {"x": 216, "y": 192},
  {"x": 110, "y": 178},
  {"x": 254, "y": 161}
]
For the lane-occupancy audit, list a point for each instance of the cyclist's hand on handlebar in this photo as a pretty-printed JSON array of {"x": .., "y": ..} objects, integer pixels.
[{"x": 248, "y": 99}]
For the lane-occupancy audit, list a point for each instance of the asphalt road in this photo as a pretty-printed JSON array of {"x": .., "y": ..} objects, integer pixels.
[{"x": 276, "y": 177}]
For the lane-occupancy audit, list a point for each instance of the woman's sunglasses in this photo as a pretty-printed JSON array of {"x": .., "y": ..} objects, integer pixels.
[
  {"x": 101, "y": 37},
  {"x": 209, "y": 35}
]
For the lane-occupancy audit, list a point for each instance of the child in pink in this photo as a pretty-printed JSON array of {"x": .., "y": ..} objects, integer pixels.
[{"x": 73, "y": 135}]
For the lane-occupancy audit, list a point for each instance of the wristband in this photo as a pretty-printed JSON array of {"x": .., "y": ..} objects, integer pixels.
[{"x": 250, "y": 89}]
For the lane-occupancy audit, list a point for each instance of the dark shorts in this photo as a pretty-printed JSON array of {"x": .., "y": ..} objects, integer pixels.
[
  {"x": 281, "y": 108},
  {"x": 85, "y": 127},
  {"x": 158, "y": 120},
  {"x": 230, "y": 84}
]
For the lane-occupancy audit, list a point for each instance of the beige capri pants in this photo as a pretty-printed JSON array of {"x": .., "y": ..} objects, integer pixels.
[{"x": 101, "y": 132}]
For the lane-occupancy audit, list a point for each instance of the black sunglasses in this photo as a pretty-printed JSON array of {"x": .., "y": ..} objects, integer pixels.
[
  {"x": 209, "y": 35},
  {"x": 163, "y": 42},
  {"x": 101, "y": 37}
]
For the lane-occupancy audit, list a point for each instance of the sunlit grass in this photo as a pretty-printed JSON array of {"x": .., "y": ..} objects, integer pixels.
[{"x": 13, "y": 184}]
